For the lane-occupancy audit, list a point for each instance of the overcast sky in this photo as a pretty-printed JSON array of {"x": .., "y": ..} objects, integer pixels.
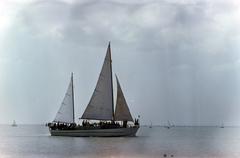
[{"x": 175, "y": 60}]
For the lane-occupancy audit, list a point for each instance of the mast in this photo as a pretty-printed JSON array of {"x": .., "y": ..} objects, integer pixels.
[
  {"x": 113, "y": 117},
  {"x": 73, "y": 99}
]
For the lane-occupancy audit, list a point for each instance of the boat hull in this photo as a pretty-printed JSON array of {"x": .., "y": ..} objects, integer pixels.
[{"x": 113, "y": 132}]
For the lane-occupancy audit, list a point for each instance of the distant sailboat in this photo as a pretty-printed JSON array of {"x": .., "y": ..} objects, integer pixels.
[
  {"x": 100, "y": 107},
  {"x": 169, "y": 125},
  {"x": 14, "y": 124},
  {"x": 150, "y": 125},
  {"x": 222, "y": 126}
]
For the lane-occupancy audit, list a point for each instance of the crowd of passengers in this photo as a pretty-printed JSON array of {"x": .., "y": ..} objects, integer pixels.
[
  {"x": 103, "y": 125},
  {"x": 62, "y": 125}
]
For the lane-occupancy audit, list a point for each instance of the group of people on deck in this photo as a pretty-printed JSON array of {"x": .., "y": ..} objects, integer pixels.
[
  {"x": 104, "y": 125},
  {"x": 62, "y": 126}
]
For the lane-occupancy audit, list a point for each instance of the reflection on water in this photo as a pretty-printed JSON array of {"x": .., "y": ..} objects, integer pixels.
[{"x": 35, "y": 141}]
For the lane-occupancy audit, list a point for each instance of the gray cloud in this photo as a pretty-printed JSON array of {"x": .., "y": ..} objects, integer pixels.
[{"x": 176, "y": 61}]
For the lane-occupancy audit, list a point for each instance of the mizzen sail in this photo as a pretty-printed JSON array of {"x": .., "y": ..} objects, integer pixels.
[
  {"x": 122, "y": 111},
  {"x": 66, "y": 111},
  {"x": 100, "y": 106}
]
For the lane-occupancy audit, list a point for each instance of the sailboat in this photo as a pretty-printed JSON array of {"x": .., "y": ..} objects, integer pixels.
[
  {"x": 169, "y": 125},
  {"x": 222, "y": 126},
  {"x": 14, "y": 124},
  {"x": 100, "y": 108}
]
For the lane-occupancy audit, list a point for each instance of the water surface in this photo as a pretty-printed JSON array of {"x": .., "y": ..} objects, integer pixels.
[{"x": 35, "y": 141}]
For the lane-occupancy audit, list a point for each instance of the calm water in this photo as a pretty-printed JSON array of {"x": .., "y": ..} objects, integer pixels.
[{"x": 35, "y": 141}]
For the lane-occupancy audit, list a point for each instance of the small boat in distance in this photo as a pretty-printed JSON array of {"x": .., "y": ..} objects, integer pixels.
[
  {"x": 222, "y": 126},
  {"x": 100, "y": 107},
  {"x": 169, "y": 125},
  {"x": 150, "y": 125},
  {"x": 14, "y": 124}
]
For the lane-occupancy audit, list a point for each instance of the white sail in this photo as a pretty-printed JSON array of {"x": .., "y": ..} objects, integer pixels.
[
  {"x": 66, "y": 111},
  {"x": 100, "y": 106},
  {"x": 169, "y": 125},
  {"x": 122, "y": 111},
  {"x": 14, "y": 123}
]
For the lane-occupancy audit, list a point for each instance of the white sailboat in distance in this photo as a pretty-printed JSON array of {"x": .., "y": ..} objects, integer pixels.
[
  {"x": 169, "y": 125},
  {"x": 150, "y": 125},
  {"x": 14, "y": 123},
  {"x": 100, "y": 107}
]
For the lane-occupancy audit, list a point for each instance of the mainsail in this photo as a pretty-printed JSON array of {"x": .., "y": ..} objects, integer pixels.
[
  {"x": 122, "y": 111},
  {"x": 66, "y": 111},
  {"x": 100, "y": 106}
]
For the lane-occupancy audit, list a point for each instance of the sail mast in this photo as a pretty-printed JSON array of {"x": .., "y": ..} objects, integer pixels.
[
  {"x": 73, "y": 100},
  {"x": 113, "y": 117}
]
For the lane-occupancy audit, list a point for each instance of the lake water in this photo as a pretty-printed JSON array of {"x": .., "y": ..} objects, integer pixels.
[{"x": 35, "y": 141}]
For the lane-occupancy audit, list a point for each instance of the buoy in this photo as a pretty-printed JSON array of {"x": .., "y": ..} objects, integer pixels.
[{"x": 165, "y": 155}]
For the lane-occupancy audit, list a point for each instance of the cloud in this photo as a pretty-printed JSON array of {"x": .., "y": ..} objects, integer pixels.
[
  {"x": 226, "y": 67},
  {"x": 179, "y": 53},
  {"x": 183, "y": 67}
]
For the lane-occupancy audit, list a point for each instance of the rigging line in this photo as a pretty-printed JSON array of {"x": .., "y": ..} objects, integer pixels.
[
  {"x": 115, "y": 65},
  {"x": 116, "y": 69},
  {"x": 90, "y": 66}
]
